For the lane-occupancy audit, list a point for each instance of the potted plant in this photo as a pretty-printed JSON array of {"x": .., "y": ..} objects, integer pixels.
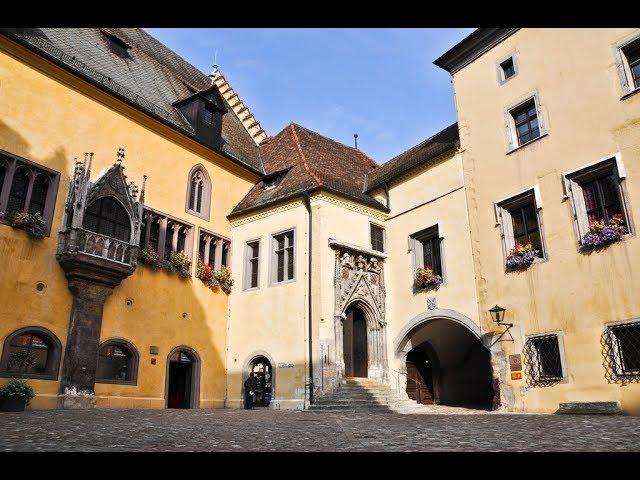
[
  {"x": 16, "y": 394},
  {"x": 181, "y": 264},
  {"x": 223, "y": 277},
  {"x": 148, "y": 257},
  {"x": 425, "y": 278},
  {"x": 205, "y": 273},
  {"x": 601, "y": 234},
  {"x": 521, "y": 256},
  {"x": 34, "y": 224}
]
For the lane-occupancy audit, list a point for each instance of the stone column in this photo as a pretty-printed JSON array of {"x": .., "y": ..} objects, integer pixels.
[{"x": 83, "y": 340}]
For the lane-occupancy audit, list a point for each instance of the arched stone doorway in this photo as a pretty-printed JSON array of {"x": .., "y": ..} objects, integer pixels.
[
  {"x": 182, "y": 386},
  {"x": 354, "y": 343},
  {"x": 263, "y": 372},
  {"x": 446, "y": 362}
]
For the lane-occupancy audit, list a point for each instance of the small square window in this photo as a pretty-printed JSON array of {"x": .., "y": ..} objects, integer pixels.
[
  {"x": 508, "y": 68},
  {"x": 543, "y": 360},
  {"x": 377, "y": 238}
]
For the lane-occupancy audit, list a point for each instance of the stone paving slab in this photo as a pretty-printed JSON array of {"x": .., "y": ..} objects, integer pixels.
[{"x": 273, "y": 430}]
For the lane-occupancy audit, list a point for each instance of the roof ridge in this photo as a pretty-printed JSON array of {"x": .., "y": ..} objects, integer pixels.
[
  {"x": 371, "y": 162},
  {"x": 249, "y": 121},
  {"x": 301, "y": 152},
  {"x": 420, "y": 144}
]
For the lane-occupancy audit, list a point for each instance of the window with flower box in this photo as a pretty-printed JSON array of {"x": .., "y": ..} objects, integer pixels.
[
  {"x": 426, "y": 247},
  {"x": 213, "y": 249},
  {"x": 29, "y": 189},
  {"x": 597, "y": 195},
  {"x": 521, "y": 228}
]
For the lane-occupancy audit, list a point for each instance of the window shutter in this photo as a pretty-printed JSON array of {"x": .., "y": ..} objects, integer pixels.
[
  {"x": 507, "y": 230},
  {"x": 579, "y": 208},
  {"x": 622, "y": 74},
  {"x": 541, "y": 125},
  {"x": 507, "y": 122},
  {"x": 418, "y": 255}
]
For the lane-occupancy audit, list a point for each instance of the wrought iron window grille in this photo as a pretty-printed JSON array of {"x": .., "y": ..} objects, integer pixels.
[
  {"x": 543, "y": 362},
  {"x": 621, "y": 352}
]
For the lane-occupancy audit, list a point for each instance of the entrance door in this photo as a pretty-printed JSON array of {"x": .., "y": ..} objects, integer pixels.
[
  {"x": 354, "y": 344},
  {"x": 419, "y": 377},
  {"x": 263, "y": 374},
  {"x": 180, "y": 377}
]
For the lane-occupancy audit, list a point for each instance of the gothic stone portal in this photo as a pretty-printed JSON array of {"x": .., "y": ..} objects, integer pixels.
[{"x": 360, "y": 327}]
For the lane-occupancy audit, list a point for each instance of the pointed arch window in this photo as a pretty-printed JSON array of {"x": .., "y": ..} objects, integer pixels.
[
  {"x": 199, "y": 193},
  {"x": 18, "y": 192},
  {"x": 107, "y": 217}
]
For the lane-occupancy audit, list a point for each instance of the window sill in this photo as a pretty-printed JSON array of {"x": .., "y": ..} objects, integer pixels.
[
  {"x": 32, "y": 376},
  {"x": 284, "y": 282},
  {"x": 526, "y": 144},
  {"x": 252, "y": 289},
  {"x": 118, "y": 382},
  {"x": 630, "y": 94},
  {"x": 10, "y": 224}
]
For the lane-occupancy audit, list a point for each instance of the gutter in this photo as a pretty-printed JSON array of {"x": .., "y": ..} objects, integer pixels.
[{"x": 307, "y": 204}]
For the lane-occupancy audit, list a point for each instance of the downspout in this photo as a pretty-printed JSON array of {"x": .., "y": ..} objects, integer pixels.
[{"x": 307, "y": 204}]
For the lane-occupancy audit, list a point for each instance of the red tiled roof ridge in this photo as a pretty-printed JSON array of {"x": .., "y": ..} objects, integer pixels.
[
  {"x": 368, "y": 161},
  {"x": 415, "y": 147},
  {"x": 302, "y": 156}
]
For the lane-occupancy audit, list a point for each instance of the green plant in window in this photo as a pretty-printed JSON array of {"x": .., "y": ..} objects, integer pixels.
[{"x": 223, "y": 277}]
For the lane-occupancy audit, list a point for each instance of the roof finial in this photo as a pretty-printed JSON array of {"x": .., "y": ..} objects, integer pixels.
[
  {"x": 355, "y": 137},
  {"x": 120, "y": 155}
]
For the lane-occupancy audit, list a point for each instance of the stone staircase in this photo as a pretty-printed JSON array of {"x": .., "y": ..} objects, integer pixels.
[{"x": 364, "y": 394}]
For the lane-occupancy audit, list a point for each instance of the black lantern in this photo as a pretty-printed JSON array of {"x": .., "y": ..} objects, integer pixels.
[{"x": 497, "y": 313}]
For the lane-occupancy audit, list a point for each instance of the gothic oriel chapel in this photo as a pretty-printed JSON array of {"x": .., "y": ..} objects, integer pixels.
[{"x": 491, "y": 266}]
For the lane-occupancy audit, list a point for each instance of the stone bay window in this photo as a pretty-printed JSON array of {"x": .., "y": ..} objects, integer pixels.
[{"x": 97, "y": 248}]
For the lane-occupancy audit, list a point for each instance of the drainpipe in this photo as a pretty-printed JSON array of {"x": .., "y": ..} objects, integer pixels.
[{"x": 307, "y": 204}]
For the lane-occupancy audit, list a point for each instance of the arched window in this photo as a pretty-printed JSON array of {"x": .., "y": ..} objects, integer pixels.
[
  {"x": 117, "y": 363},
  {"x": 39, "y": 195},
  {"x": 199, "y": 192},
  {"x": 18, "y": 193},
  {"x": 31, "y": 352},
  {"x": 107, "y": 217}
]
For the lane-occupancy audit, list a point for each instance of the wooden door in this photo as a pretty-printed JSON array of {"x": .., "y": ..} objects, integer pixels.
[
  {"x": 418, "y": 387},
  {"x": 347, "y": 343},
  {"x": 360, "y": 354}
]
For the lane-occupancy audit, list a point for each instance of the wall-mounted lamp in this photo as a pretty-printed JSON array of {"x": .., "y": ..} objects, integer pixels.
[{"x": 497, "y": 313}]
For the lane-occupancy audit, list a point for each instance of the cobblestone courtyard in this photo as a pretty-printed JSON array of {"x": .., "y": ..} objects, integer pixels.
[{"x": 269, "y": 430}]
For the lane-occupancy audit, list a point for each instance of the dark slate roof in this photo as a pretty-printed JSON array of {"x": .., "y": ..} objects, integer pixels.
[
  {"x": 471, "y": 47},
  {"x": 151, "y": 77},
  {"x": 307, "y": 161},
  {"x": 432, "y": 147}
]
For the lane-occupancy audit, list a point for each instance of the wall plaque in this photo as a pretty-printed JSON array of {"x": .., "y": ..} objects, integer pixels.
[
  {"x": 153, "y": 350},
  {"x": 515, "y": 363},
  {"x": 285, "y": 365}
]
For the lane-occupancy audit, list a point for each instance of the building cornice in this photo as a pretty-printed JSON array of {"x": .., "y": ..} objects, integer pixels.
[
  {"x": 340, "y": 245},
  {"x": 472, "y": 47}
]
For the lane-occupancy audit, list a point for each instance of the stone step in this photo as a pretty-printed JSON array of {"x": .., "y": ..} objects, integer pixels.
[
  {"x": 344, "y": 407},
  {"x": 351, "y": 401}
]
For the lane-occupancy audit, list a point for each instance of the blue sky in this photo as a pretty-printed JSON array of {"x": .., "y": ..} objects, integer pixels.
[{"x": 380, "y": 83}]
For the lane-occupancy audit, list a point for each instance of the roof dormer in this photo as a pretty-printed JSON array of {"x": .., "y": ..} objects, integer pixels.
[{"x": 203, "y": 110}]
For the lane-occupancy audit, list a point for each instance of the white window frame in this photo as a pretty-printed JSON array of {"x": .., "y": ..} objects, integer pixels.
[
  {"x": 505, "y": 222},
  {"x": 246, "y": 280},
  {"x": 417, "y": 256},
  {"x": 273, "y": 261},
  {"x": 384, "y": 237},
  {"x": 622, "y": 65},
  {"x": 572, "y": 180},
  {"x": 510, "y": 124},
  {"x": 500, "y": 70},
  {"x": 563, "y": 362},
  {"x": 617, "y": 357}
]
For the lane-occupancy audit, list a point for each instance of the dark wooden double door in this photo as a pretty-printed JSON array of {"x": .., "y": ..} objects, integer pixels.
[
  {"x": 419, "y": 377},
  {"x": 354, "y": 344}
]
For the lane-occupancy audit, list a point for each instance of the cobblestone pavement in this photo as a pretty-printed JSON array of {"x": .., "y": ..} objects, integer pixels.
[{"x": 270, "y": 430}]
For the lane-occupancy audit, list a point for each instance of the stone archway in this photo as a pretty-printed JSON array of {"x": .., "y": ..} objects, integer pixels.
[
  {"x": 183, "y": 367},
  {"x": 468, "y": 368},
  {"x": 246, "y": 371}
]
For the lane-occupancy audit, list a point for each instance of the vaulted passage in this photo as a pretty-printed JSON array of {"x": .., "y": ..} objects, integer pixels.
[
  {"x": 447, "y": 364},
  {"x": 356, "y": 356}
]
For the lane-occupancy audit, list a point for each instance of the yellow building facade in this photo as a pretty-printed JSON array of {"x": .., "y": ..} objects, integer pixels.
[{"x": 338, "y": 267}]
